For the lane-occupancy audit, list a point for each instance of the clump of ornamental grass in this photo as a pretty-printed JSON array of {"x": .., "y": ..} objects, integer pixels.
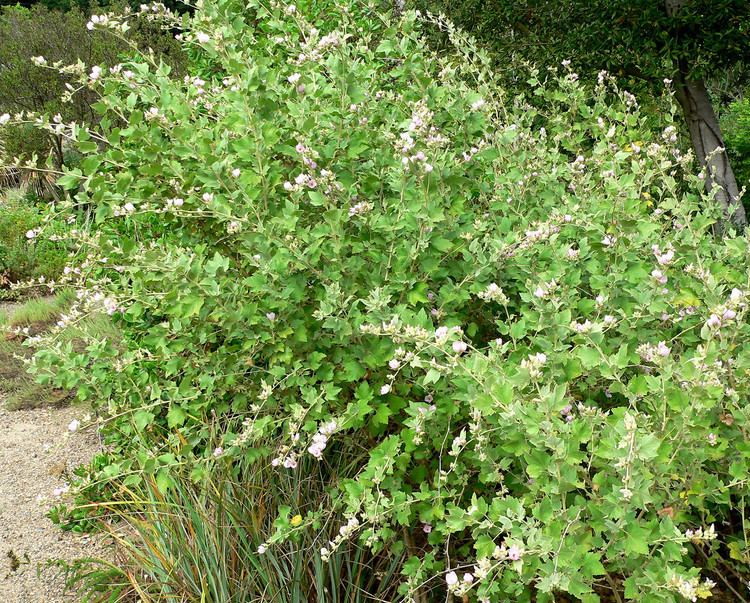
[
  {"x": 326, "y": 235},
  {"x": 202, "y": 540}
]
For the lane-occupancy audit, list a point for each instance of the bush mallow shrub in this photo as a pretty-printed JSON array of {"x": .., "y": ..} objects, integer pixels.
[{"x": 331, "y": 234}]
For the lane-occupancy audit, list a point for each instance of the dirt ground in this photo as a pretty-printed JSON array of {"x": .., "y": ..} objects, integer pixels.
[{"x": 36, "y": 453}]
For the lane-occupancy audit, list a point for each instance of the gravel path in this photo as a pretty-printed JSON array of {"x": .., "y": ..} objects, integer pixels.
[{"x": 36, "y": 451}]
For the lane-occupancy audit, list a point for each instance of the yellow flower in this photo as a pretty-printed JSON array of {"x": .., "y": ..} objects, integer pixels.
[{"x": 296, "y": 520}]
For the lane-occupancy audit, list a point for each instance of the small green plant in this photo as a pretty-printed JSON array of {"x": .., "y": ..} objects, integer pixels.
[
  {"x": 39, "y": 313},
  {"x": 85, "y": 513}
]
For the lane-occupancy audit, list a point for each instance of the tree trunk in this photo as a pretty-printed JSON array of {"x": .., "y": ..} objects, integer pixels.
[
  {"x": 705, "y": 134},
  {"x": 708, "y": 144},
  {"x": 57, "y": 150}
]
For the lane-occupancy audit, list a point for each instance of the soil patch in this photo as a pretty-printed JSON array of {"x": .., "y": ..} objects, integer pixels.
[{"x": 36, "y": 454}]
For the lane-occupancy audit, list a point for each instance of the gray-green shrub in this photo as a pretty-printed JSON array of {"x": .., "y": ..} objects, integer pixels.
[{"x": 518, "y": 312}]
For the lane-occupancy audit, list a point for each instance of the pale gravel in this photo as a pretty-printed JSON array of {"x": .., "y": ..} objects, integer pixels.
[{"x": 36, "y": 454}]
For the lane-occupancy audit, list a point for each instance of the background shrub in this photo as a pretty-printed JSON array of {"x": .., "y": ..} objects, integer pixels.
[
  {"x": 59, "y": 37},
  {"x": 23, "y": 258},
  {"x": 735, "y": 122}
]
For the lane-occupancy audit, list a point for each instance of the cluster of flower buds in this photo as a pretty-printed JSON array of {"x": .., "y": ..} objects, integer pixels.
[
  {"x": 156, "y": 11},
  {"x": 663, "y": 258},
  {"x": 315, "y": 47},
  {"x": 653, "y": 353},
  {"x": 669, "y": 134},
  {"x": 286, "y": 459},
  {"x": 469, "y": 155},
  {"x": 346, "y": 531},
  {"x": 583, "y": 327},
  {"x": 701, "y": 534},
  {"x": 320, "y": 439},
  {"x": 691, "y": 588},
  {"x": 727, "y": 312},
  {"x": 459, "y": 587},
  {"x": 360, "y": 208},
  {"x": 493, "y": 293},
  {"x": 534, "y": 363},
  {"x": 544, "y": 290}
]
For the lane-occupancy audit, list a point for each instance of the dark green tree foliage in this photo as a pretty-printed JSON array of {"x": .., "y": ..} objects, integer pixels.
[
  {"x": 58, "y": 36},
  {"x": 735, "y": 121},
  {"x": 27, "y": 33},
  {"x": 88, "y": 5},
  {"x": 685, "y": 41},
  {"x": 63, "y": 5}
]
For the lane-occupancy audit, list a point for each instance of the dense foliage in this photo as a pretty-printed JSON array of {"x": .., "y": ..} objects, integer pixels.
[
  {"x": 735, "y": 123},
  {"x": 684, "y": 42},
  {"x": 639, "y": 38},
  {"x": 89, "y": 5},
  {"x": 512, "y": 318}
]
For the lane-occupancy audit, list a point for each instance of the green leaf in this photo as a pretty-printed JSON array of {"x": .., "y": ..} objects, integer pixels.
[
  {"x": 638, "y": 385},
  {"x": 176, "y": 416},
  {"x": 191, "y": 306},
  {"x": 87, "y": 147},
  {"x": 70, "y": 180},
  {"x": 382, "y": 415},
  {"x": 442, "y": 244},
  {"x": 677, "y": 399},
  {"x": 504, "y": 392},
  {"x": 589, "y": 357},
  {"x": 164, "y": 481},
  {"x": 142, "y": 419},
  {"x": 317, "y": 199},
  {"x": 592, "y": 565},
  {"x": 418, "y": 294},
  {"x": 432, "y": 376},
  {"x": 636, "y": 540}
]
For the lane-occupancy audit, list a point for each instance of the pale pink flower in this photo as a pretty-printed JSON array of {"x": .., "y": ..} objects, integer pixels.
[{"x": 459, "y": 347}]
